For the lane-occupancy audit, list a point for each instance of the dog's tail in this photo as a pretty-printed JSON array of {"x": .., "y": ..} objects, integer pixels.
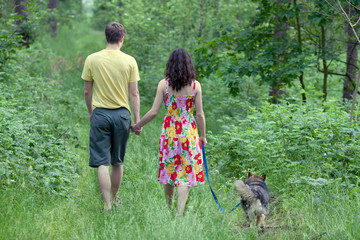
[{"x": 244, "y": 191}]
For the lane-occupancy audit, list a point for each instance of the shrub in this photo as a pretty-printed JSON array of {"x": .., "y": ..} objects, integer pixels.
[
  {"x": 33, "y": 137},
  {"x": 292, "y": 143}
]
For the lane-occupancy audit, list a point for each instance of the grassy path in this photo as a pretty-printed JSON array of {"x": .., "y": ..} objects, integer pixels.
[
  {"x": 24, "y": 214},
  {"x": 142, "y": 214}
]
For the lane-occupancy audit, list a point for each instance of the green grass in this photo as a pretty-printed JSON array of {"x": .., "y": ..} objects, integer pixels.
[
  {"x": 144, "y": 215},
  {"x": 298, "y": 212}
]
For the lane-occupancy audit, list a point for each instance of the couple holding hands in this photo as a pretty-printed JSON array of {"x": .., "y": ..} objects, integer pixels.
[{"x": 110, "y": 79}]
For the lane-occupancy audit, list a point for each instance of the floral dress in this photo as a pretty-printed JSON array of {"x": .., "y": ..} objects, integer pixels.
[{"x": 180, "y": 157}]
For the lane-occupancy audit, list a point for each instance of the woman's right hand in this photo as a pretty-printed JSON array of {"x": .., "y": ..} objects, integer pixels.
[{"x": 203, "y": 140}]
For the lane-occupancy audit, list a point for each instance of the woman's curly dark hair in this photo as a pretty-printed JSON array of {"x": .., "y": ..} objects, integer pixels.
[{"x": 180, "y": 70}]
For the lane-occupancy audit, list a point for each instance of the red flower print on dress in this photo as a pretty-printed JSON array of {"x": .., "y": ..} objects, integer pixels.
[
  {"x": 177, "y": 159},
  {"x": 188, "y": 169},
  {"x": 198, "y": 158},
  {"x": 200, "y": 176},
  {"x": 189, "y": 103},
  {"x": 167, "y": 121},
  {"x": 185, "y": 145},
  {"x": 166, "y": 142},
  {"x": 181, "y": 162},
  {"x": 173, "y": 176},
  {"x": 178, "y": 127},
  {"x": 161, "y": 167}
]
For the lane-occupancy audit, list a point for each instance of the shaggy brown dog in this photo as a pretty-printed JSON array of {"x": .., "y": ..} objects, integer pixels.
[{"x": 254, "y": 197}]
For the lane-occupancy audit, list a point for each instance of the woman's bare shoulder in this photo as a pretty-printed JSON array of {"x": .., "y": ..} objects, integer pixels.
[
  {"x": 161, "y": 84},
  {"x": 197, "y": 86}
]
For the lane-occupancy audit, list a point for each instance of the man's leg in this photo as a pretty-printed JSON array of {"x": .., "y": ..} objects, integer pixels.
[
  {"x": 169, "y": 194},
  {"x": 183, "y": 193},
  {"x": 105, "y": 185},
  {"x": 116, "y": 179},
  {"x": 120, "y": 135}
]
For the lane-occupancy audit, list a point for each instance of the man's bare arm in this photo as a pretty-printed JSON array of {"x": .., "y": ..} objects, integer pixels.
[
  {"x": 135, "y": 100},
  {"x": 88, "y": 85}
]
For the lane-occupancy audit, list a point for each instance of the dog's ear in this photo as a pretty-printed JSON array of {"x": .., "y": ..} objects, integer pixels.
[
  {"x": 263, "y": 177},
  {"x": 250, "y": 174}
]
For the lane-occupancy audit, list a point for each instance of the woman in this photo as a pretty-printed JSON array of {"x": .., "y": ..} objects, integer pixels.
[{"x": 180, "y": 158}]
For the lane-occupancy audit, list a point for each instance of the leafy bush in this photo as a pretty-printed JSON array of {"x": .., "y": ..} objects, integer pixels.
[
  {"x": 12, "y": 34},
  {"x": 292, "y": 143},
  {"x": 105, "y": 12},
  {"x": 221, "y": 107},
  {"x": 33, "y": 137}
]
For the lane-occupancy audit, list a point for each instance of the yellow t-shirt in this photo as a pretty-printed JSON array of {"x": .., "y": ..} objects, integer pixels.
[{"x": 111, "y": 71}]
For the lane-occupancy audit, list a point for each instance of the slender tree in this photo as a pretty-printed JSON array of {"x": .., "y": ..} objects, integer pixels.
[
  {"x": 351, "y": 59},
  {"x": 121, "y": 6},
  {"x": 202, "y": 6},
  {"x": 281, "y": 29},
  {"x": 19, "y": 8},
  {"x": 299, "y": 37},
  {"x": 337, "y": 5},
  {"x": 53, "y": 5},
  {"x": 324, "y": 61}
]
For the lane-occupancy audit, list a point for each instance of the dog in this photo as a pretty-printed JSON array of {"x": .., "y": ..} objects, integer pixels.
[{"x": 254, "y": 198}]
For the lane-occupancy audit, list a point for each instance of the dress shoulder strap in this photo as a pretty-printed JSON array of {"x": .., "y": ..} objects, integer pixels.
[{"x": 194, "y": 89}]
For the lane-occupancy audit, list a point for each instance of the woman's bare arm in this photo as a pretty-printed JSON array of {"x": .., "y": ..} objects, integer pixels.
[
  {"x": 151, "y": 114},
  {"x": 200, "y": 116}
]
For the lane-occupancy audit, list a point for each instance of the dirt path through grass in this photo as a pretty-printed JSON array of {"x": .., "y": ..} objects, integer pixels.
[
  {"x": 26, "y": 214},
  {"x": 142, "y": 214}
]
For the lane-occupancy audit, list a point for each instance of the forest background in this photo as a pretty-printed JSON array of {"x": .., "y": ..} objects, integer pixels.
[{"x": 278, "y": 81}]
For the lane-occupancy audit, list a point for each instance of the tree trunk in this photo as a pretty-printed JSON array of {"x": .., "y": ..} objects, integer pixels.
[
  {"x": 20, "y": 6},
  {"x": 80, "y": 6},
  {"x": 53, "y": 4},
  {"x": 298, "y": 30},
  {"x": 281, "y": 29},
  {"x": 351, "y": 62},
  {"x": 202, "y": 5},
  {"x": 325, "y": 67},
  {"x": 121, "y": 5},
  {"x": 216, "y": 33}
]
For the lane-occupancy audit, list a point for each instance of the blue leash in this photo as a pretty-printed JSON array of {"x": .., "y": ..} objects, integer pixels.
[{"x": 207, "y": 175}]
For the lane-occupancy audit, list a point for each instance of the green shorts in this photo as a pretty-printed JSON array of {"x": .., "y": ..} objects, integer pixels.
[{"x": 109, "y": 133}]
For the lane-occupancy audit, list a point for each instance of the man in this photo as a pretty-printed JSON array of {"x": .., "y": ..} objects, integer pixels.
[{"x": 110, "y": 79}]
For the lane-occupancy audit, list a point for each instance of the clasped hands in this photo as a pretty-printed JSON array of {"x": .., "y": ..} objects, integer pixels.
[{"x": 136, "y": 129}]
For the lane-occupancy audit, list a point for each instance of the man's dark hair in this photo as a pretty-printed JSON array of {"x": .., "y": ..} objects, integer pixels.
[
  {"x": 114, "y": 32},
  {"x": 180, "y": 70}
]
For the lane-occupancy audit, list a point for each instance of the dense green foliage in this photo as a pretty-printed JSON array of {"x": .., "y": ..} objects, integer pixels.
[
  {"x": 256, "y": 52},
  {"x": 309, "y": 152},
  {"x": 297, "y": 144},
  {"x": 156, "y": 29},
  {"x": 34, "y": 103},
  {"x": 33, "y": 137}
]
